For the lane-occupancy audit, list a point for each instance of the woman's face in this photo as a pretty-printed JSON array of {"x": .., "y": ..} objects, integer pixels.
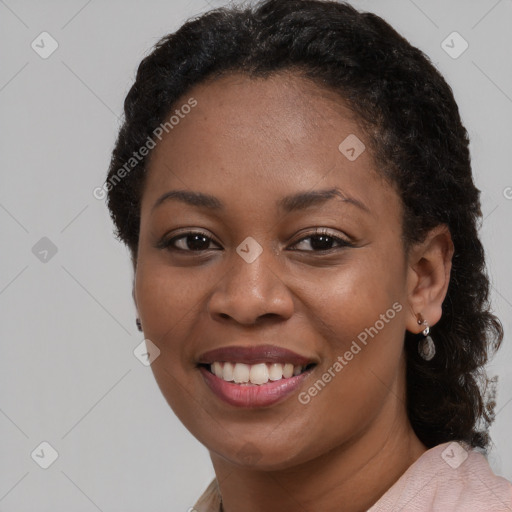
[{"x": 259, "y": 277}]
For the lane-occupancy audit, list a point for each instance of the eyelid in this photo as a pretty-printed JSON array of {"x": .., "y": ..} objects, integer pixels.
[
  {"x": 167, "y": 243},
  {"x": 343, "y": 242}
]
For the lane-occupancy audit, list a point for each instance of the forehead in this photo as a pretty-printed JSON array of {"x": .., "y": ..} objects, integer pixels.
[
  {"x": 283, "y": 108},
  {"x": 255, "y": 139}
]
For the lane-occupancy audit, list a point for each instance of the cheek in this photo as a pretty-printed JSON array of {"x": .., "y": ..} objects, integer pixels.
[
  {"x": 359, "y": 314},
  {"x": 344, "y": 303},
  {"x": 167, "y": 296},
  {"x": 168, "y": 302},
  {"x": 171, "y": 303},
  {"x": 361, "y": 374}
]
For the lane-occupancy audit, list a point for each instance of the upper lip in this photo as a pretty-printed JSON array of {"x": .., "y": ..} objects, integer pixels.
[{"x": 254, "y": 354}]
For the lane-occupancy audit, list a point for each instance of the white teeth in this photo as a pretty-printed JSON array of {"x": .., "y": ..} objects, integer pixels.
[
  {"x": 227, "y": 372},
  {"x": 241, "y": 372},
  {"x": 276, "y": 371},
  {"x": 257, "y": 374},
  {"x": 217, "y": 369},
  {"x": 287, "y": 370}
]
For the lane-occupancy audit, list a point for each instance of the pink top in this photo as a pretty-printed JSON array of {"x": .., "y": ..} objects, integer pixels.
[{"x": 450, "y": 477}]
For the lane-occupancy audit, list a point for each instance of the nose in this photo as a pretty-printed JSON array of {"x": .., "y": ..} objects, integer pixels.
[{"x": 249, "y": 292}]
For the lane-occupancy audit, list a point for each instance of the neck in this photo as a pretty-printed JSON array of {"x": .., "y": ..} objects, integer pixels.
[{"x": 349, "y": 478}]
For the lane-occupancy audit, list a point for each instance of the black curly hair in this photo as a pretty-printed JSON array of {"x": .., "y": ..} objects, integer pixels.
[{"x": 418, "y": 143}]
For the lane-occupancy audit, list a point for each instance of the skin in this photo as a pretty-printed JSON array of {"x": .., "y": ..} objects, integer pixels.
[{"x": 250, "y": 142}]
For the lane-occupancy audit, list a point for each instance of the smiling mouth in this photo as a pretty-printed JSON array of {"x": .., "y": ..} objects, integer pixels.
[{"x": 255, "y": 374}]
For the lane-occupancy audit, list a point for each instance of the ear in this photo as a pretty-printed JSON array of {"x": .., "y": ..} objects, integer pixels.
[
  {"x": 428, "y": 277},
  {"x": 133, "y": 292},
  {"x": 133, "y": 258}
]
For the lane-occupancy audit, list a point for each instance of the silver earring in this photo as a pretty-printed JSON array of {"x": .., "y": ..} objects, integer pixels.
[{"x": 426, "y": 347}]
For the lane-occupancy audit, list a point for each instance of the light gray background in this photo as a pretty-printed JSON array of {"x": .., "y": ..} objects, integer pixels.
[{"x": 68, "y": 373}]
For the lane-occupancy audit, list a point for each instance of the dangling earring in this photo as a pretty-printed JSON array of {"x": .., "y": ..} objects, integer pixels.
[
  {"x": 426, "y": 347},
  {"x": 139, "y": 324}
]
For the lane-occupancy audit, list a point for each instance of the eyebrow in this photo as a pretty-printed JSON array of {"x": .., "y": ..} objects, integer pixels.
[{"x": 298, "y": 201}]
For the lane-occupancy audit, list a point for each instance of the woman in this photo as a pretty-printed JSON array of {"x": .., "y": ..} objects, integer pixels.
[{"x": 293, "y": 182}]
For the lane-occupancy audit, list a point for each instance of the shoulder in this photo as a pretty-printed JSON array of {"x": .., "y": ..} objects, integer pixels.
[
  {"x": 450, "y": 476},
  {"x": 210, "y": 500}
]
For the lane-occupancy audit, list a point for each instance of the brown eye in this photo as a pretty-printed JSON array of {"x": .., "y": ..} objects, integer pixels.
[
  {"x": 188, "y": 242},
  {"x": 323, "y": 241}
]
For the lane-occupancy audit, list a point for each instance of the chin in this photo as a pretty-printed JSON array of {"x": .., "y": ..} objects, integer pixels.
[{"x": 262, "y": 455}]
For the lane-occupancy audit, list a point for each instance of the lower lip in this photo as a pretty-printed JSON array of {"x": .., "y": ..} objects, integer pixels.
[{"x": 241, "y": 395}]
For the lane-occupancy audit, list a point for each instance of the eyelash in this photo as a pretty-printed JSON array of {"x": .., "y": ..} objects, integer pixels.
[{"x": 168, "y": 244}]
